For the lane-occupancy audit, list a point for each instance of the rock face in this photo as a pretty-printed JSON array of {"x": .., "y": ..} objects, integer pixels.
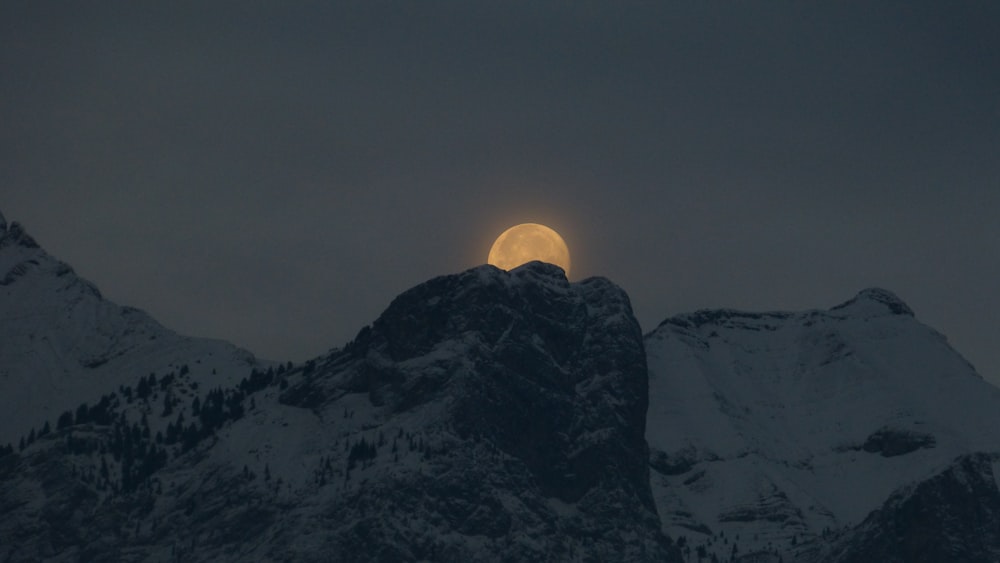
[
  {"x": 785, "y": 429},
  {"x": 485, "y": 416},
  {"x": 951, "y": 517},
  {"x": 519, "y": 370}
]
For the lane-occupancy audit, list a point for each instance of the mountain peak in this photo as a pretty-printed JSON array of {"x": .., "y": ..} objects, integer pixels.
[
  {"x": 14, "y": 233},
  {"x": 875, "y": 301},
  {"x": 548, "y": 376},
  {"x": 62, "y": 343},
  {"x": 539, "y": 269}
]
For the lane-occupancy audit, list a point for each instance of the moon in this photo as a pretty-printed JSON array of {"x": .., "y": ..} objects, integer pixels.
[{"x": 523, "y": 243}]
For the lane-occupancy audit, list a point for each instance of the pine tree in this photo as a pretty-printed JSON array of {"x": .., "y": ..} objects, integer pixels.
[
  {"x": 65, "y": 420},
  {"x": 143, "y": 388},
  {"x": 82, "y": 414}
]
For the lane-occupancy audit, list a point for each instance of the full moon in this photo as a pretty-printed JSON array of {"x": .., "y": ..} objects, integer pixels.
[{"x": 523, "y": 243}]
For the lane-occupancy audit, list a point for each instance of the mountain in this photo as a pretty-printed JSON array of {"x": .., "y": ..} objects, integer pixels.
[
  {"x": 492, "y": 416},
  {"x": 63, "y": 344},
  {"x": 784, "y": 434},
  {"x": 952, "y": 516},
  {"x": 484, "y": 416}
]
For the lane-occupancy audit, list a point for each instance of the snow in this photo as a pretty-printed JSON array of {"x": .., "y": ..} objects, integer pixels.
[
  {"x": 62, "y": 344},
  {"x": 778, "y": 404},
  {"x": 769, "y": 410}
]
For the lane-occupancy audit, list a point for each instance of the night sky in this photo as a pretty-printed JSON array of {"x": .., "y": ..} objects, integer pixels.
[{"x": 275, "y": 173}]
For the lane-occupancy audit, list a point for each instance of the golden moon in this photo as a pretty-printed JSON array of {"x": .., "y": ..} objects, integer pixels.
[{"x": 523, "y": 243}]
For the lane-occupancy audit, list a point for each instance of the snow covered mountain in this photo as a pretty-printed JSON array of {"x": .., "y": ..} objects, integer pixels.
[
  {"x": 485, "y": 416},
  {"x": 62, "y": 344},
  {"x": 780, "y": 433},
  {"x": 491, "y": 416}
]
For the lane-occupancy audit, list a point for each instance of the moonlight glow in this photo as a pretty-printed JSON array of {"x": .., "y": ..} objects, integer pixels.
[{"x": 523, "y": 243}]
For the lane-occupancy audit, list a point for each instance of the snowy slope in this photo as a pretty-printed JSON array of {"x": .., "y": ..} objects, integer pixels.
[
  {"x": 62, "y": 344},
  {"x": 777, "y": 427},
  {"x": 492, "y": 416},
  {"x": 485, "y": 416}
]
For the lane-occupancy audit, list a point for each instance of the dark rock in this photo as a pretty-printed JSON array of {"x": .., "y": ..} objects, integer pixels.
[
  {"x": 15, "y": 234},
  {"x": 891, "y": 442},
  {"x": 550, "y": 374},
  {"x": 953, "y": 517},
  {"x": 882, "y": 297},
  {"x": 678, "y": 463}
]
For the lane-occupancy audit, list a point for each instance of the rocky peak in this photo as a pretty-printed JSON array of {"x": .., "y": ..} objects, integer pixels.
[
  {"x": 531, "y": 319},
  {"x": 873, "y": 302},
  {"x": 551, "y": 374},
  {"x": 62, "y": 343},
  {"x": 14, "y": 234}
]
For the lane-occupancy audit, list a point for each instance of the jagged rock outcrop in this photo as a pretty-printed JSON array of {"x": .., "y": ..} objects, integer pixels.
[
  {"x": 520, "y": 369},
  {"x": 485, "y": 416}
]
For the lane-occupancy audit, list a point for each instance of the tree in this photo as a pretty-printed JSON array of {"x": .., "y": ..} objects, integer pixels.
[
  {"x": 82, "y": 414},
  {"x": 65, "y": 420},
  {"x": 168, "y": 405},
  {"x": 142, "y": 389}
]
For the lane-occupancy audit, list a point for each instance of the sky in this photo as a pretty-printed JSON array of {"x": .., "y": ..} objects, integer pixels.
[{"x": 274, "y": 173}]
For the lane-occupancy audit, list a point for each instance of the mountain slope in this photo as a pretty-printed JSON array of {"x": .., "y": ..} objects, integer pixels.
[
  {"x": 781, "y": 428},
  {"x": 491, "y": 416},
  {"x": 485, "y": 416},
  {"x": 952, "y": 517},
  {"x": 62, "y": 344}
]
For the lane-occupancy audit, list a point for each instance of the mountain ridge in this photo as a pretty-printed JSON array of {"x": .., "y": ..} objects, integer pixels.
[
  {"x": 759, "y": 422},
  {"x": 496, "y": 416},
  {"x": 62, "y": 343},
  {"x": 486, "y": 415}
]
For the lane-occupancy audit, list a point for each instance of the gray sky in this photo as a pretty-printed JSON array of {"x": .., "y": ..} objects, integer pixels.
[{"x": 275, "y": 173}]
